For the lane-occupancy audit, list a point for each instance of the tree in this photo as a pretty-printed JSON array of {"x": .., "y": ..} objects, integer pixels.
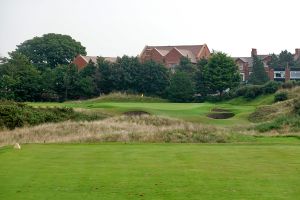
[
  {"x": 71, "y": 82},
  {"x": 286, "y": 59},
  {"x": 186, "y": 66},
  {"x": 274, "y": 62},
  {"x": 19, "y": 80},
  {"x": 152, "y": 79},
  {"x": 181, "y": 88},
  {"x": 220, "y": 74},
  {"x": 259, "y": 76},
  {"x": 128, "y": 73},
  {"x": 51, "y": 50},
  {"x": 200, "y": 83},
  {"x": 87, "y": 84},
  {"x": 108, "y": 77}
]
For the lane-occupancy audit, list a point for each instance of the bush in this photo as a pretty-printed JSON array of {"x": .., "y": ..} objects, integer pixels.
[
  {"x": 290, "y": 84},
  {"x": 253, "y": 92},
  {"x": 297, "y": 106},
  {"x": 14, "y": 115},
  {"x": 281, "y": 96},
  {"x": 271, "y": 87}
]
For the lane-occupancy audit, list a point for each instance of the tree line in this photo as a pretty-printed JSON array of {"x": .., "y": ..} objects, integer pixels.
[
  {"x": 40, "y": 70},
  {"x": 22, "y": 81}
]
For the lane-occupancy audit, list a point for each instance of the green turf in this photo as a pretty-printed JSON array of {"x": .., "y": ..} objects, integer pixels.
[
  {"x": 195, "y": 112},
  {"x": 151, "y": 171}
]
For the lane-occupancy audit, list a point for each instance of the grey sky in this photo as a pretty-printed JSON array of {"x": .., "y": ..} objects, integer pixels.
[{"x": 117, "y": 27}]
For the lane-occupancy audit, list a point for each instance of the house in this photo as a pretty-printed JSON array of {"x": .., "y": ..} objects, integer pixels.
[
  {"x": 245, "y": 64},
  {"x": 286, "y": 73},
  {"x": 81, "y": 61},
  {"x": 283, "y": 73},
  {"x": 170, "y": 55}
]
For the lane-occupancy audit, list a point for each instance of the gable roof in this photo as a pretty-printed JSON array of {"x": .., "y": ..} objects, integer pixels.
[
  {"x": 94, "y": 58},
  {"x": 188, "y": 53},
  {"x": 249, "y": 60},
  {"x": 191, "y": 51}
]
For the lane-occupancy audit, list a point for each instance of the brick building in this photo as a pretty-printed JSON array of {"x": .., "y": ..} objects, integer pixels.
[
  {"x": 283, "y": 73},
  {"x": 81, "y": 61},
  {"x": 170, "y": 55}
]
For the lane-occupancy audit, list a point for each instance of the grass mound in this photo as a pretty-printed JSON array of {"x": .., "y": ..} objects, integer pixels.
[
  {"x": 123, "y": 97},
  {"x": 143, "y": 128},
  {"x": 14, "y": 115},
  {"x": 282, "y": 117}
]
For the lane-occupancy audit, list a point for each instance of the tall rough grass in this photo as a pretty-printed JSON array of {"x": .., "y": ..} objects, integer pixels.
[
  {"x": 124, "y": 97},
  {"x": 117, "y": 129}
]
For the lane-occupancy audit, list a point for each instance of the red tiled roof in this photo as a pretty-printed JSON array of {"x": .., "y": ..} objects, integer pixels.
[
  {"x": 94, "y": 58},
  {"x": 192, "y": 49}
]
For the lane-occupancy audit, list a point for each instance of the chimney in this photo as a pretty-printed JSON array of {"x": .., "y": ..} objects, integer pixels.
[
  {"x": 297, "y": 52},
  {"x": 254, "y": 52}
]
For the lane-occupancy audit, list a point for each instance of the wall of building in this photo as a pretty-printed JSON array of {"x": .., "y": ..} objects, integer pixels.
[
  {"x": 80, "y": 62},
  {"x": 156, "y": 56},
  {"x": 204, "y": 53},
  {"x": 172, "y": 58}
]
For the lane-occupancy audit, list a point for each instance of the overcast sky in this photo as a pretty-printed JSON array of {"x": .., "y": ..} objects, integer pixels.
[{"x": 118, "y": 27}]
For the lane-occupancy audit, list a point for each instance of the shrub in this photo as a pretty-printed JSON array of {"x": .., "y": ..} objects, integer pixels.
[
  {"x": 253, "y": 92},
  {"x": 14, "y": 115},
  {"x": 290, "y": 84},
  {"x": 297, "y": 106},
  {"x": 281, "y": 96},
  {"x": 241, "y": 91},
  {"x": 271, "y": 87}
]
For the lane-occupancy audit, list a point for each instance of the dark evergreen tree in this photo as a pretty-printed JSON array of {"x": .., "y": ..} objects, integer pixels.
[
  {"x": 108, "y": 77},
  {"x": 181, "y": 88},
  {"x": 274, "y": 62},
  {"x": 200, "y": 85},
  {"x": 186, "y": 66},
  {"x": 258, "y": 76},
  {"x": 152, "y": 79},
  {"x": 286, "y": 59}
]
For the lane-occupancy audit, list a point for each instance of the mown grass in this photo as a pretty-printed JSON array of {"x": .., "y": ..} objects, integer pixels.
[
  {"x": 150, "y": 171},
  {"x": 194, "y": 112}
]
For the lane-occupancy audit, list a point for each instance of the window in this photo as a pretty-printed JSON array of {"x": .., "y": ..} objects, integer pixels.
[
  {"x": 279, "y": 74},
  {"x": 242, "y": 76},
  {"x": 241, "y": 67},
  {"x": 295, "y": 74}
]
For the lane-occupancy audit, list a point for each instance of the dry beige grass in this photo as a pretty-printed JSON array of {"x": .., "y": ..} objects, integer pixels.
[
  {"x": 269, "y": 112},
  {"x": 120, "y": 129}
]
